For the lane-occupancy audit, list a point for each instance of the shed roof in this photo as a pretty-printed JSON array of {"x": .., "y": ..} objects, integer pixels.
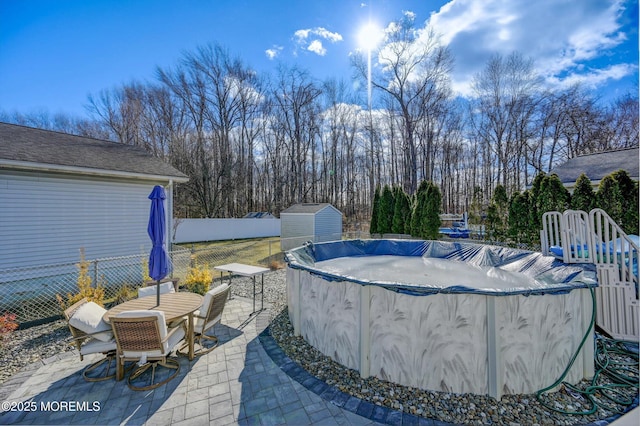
[
  {"x": 597, "y": 166},
  {"x": 30, "y": 148},
  {"x": 309, "y": 208}
]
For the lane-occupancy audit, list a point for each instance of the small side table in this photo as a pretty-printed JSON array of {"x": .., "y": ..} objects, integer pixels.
[{"x": 246, "y": 271}]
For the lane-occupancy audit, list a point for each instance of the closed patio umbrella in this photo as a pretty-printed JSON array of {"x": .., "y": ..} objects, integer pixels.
[{"x": 159, "y": 262}]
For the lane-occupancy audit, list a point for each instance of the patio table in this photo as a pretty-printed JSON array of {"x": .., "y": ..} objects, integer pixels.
[
  {"x": 246, "y": 271},
  {"x": 174, "y": 306}
]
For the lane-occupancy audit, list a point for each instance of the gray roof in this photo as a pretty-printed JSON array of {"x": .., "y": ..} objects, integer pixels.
[
  {"x": 597, "y": 166},
  {"x": 309, "y": 208},
  {"x": 258, "y": 215},
  {"x": 30, "y": 148}
]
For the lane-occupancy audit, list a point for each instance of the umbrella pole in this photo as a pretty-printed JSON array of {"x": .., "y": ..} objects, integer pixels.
[{"x": 158, "y": 292}]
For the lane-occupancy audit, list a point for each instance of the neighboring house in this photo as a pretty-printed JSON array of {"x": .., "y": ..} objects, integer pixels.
[
  {"x": 304, "y": 222},
  {"x": 259, "y": 215},
  {"x": 597, "y": 166},
  {"x": 60, "y": 192}
]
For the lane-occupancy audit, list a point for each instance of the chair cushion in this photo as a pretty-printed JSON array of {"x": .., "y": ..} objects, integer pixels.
[
  {"x": 97, "y": 347},
  {"x": 88, "y": 318},
  {"x": 198, "y": 324},
  {"x": 151, "y": 290}
]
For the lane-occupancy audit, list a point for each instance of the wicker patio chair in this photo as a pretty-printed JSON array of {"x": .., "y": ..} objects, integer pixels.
[
  {"x": 92, "y": 335},
  {"x": 143, "y": 336},
  {"x": 205, "y": 318}
]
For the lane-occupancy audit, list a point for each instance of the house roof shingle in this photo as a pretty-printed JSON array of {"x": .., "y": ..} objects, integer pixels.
[
  {"x": 20, "y": 145},
  {"x": 597, "y": 166}
]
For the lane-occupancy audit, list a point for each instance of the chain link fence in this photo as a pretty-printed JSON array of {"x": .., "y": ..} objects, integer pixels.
[{"x": 30, "y": 292}]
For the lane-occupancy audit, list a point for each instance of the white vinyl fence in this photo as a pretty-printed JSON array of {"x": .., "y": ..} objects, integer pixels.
[{"x": 196, "y": 230}]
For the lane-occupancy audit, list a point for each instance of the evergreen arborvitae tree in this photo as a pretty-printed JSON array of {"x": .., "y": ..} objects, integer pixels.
[
  {"x": 553, "y": 196},
  {"x": 633, "y": 223},
  {"x": 629, "y": 192},
  {"x": 373, "y": 226},
  {"x": 401, "y": 211},
  {"x": 583, "y": 197},
  {"x": 385, "y": 211},
  {"x": 519, "y": 217},
  {"x": 418, "y": 208},
  {"x": 431, "y": 212},
  {"x": 498, "y": 221},
  {"x": 609, "y": 198},
  {"x": 493, "y": 222}
]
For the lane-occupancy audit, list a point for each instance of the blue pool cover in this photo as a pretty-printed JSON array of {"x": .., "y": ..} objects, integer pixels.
[{"x": 551, "y": 276}]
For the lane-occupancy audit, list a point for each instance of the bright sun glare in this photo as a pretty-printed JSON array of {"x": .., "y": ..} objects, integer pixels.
[{"x": 369, "y": 36}]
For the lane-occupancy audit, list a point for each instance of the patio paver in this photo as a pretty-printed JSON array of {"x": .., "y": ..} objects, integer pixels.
[{"x": 238, "y": 383}]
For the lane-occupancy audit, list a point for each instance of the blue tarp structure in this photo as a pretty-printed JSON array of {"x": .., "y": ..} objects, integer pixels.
[{"x": 552, "y": 275}]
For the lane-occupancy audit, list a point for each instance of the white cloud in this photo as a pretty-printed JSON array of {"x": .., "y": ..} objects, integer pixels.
[
  {"x": 316, "y": 47},
  {"x": 559, "y": 36},
  {"x": 409, "y": 14},
  {"x": 274, "y": 52},
  {"x": 311, "y": 39},
  {"x": 595, "y": 77},
  {"x": 328, "y": 35},
  {"x": 301, "y": 34}
]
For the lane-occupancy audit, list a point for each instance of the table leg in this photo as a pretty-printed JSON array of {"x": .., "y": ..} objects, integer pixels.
[
  {"x": 190, "y": 336},
  {"x": 119, "y": 368},
  {"x": 254, "y": 294}
]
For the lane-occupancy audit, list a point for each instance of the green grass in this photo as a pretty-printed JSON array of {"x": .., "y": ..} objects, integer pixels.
[{"x": 257, "y": 251}]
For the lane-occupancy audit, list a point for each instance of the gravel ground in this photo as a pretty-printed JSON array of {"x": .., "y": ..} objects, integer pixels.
[{"x": 41, "y": 342}]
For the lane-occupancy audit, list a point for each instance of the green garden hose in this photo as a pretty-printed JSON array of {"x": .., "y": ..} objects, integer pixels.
[{"x": 620, "y": 375}]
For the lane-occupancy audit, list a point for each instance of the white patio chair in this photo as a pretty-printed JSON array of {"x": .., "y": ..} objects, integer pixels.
[
  {"x": 92, "y": 335},
  {"x": 205, "y": 318}
]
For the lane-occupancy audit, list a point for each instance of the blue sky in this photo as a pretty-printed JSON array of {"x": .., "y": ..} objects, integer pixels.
[{"x": 54, "y": 53}]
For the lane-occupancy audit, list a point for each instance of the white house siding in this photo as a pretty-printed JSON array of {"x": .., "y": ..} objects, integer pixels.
[
  {"x": 328, "y": 225},
  {"x": 46, "y": 219}
]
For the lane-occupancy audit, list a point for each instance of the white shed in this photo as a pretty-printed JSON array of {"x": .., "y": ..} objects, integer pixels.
[
  {"x": 304, "y": 222},
  {"x": 60, "y": 192}
]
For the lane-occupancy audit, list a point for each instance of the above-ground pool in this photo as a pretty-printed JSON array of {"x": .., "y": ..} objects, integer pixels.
[{"x": 444, "y": 316}]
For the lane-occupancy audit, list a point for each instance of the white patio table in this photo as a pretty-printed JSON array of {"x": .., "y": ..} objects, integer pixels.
[{"x": 246, "y": 271}]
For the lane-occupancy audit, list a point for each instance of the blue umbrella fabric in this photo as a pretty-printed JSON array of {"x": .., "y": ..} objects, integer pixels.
[{"x": 159, "y": 262}]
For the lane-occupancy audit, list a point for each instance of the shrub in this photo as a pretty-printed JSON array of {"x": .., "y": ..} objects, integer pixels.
[
  {"x": 583, "y": 197},
  {"x": 93, "y": 294},
  {"x": 125, "y": 293},
  {"x": 145, "y": 269},
  {"x": 198, "y": 279},
  {"x": 7, "y": 324}
]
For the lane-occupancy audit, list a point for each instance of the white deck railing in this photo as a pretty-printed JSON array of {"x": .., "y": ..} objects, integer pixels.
[{"x": 596, "y": 238}]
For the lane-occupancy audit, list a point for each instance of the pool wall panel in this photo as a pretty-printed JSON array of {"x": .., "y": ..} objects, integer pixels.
[
  {"x": 330, "y": 318},
  {"x": 436, "y": 342}
]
